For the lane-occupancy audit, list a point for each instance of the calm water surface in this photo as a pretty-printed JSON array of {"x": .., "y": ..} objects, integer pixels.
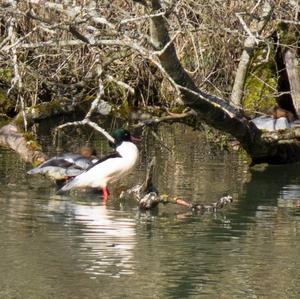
[{"x": 72, "y": 246}]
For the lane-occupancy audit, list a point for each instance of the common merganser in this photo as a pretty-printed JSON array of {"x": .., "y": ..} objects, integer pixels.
[
  {"x": 66, "y": 166},
  {"x": 110, "y": 168}
]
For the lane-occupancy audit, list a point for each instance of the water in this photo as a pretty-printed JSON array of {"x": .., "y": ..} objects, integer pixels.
[{"x": 55, "y": 246}]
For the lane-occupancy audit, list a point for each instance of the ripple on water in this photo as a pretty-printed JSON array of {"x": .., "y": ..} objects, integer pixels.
[{"x": 73, "y": 247}]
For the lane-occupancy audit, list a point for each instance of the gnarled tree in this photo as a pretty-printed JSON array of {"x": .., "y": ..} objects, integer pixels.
[{"x": 53, "y": 51}]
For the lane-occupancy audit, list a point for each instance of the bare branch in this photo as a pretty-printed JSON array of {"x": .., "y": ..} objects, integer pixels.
[
  {"x": 18, "y": 41},
  {"x": 93, "y": 107},
  {"x": 246, "y": 28},
  {"x": 83, "y": 123},
  {"x": 289, "y": 21}
]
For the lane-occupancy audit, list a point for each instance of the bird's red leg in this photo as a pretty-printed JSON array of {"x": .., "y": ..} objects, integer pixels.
[{"x": 105, "y": 193}]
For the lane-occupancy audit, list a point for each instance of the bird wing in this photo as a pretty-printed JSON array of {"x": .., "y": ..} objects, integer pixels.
[
  {"x": 98, "y": 175},
  {"x": 110, "y": 156}
]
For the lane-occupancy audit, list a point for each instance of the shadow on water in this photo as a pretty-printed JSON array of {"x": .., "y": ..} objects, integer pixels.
[{"x": 226, "y": 249}]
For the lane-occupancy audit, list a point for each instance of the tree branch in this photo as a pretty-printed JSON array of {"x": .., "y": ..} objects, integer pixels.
[{"x": 93, "y": 107}]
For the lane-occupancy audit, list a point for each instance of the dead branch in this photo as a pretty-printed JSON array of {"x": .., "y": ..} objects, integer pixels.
[{"x": 121, "y": 84}]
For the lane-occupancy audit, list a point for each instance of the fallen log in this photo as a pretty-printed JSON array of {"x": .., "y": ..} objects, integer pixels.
[{"x": 11, "y": 137}]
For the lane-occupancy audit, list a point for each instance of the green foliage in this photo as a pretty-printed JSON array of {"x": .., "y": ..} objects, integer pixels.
[
  {"x": 4, "y": 121},
  {"x": 31, "y": 142},
  {"x": 6, "y": 103},
  {"x": 288, "y": 33},
  {"x": 123, "y": 110},
  {"x": 6, "y": 75}
]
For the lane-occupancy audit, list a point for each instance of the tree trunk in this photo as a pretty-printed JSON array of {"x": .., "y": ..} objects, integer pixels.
[
  {"x": 241, "y": 73},
  {"x": 293, "y": 73},
  {"x": 227, "y": 118}
]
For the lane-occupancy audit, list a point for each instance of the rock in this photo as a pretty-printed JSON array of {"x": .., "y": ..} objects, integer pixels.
[
  {"x": 104, "y": 108},
  {"x": 282, "y": 123},
  {"x": 270, "y": 124}
]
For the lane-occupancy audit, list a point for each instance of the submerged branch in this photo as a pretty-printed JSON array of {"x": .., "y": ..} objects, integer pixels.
[{"x": 148, "y": 196}]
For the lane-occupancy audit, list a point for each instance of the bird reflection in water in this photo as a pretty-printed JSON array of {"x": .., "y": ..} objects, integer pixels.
[{"x": 105, "y": 241}]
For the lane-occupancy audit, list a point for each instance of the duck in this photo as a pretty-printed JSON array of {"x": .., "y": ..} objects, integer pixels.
[
  {"x": 66, "y": 166},
  {"x": 110, "y": 168}
]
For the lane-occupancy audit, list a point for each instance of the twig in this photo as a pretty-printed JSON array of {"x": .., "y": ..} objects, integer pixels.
[
  {"x": 289, "y": 21},
  {"x": 255, "y": 6},
  {"x": 159, "y": 140},
  {"x": 86, "y": 122},
  {"x": 142, "y": 18},
  {"x": 160, "y": 52},
  {"x": 18, "y": 41}
]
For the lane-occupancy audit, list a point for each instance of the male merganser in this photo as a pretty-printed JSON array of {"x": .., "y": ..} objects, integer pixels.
[
  {"x": 66, "y": 166},
  {"x": 110, "y": 168}
]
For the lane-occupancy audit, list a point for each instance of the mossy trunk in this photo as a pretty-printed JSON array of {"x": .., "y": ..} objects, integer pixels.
[{"x": 250, "y": 45}]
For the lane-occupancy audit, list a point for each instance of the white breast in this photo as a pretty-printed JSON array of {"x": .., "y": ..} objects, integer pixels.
[
  {"x": 109, "y": 170},
  {"x": 129, "y": 153}
]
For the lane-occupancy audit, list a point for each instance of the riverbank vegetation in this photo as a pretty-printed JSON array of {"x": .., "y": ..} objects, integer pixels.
[{"x": 217, "y": 63}]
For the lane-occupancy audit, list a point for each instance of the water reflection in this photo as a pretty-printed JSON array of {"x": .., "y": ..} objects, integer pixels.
[
  {"x": 105, "y": 241},
  {"x": 73, "y": 247}
]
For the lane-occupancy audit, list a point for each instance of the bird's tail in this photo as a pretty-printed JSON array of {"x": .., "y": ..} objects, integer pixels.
[{"x": 68, "y": 186}]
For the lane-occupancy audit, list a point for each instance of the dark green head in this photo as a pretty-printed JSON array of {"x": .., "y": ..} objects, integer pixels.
[{"x": 120, "y": 135}]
